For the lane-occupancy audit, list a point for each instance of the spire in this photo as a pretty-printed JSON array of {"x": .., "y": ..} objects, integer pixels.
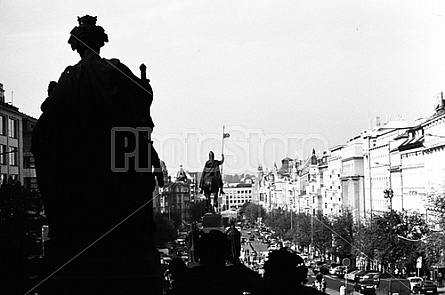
[{"x": 314, "y": 160}]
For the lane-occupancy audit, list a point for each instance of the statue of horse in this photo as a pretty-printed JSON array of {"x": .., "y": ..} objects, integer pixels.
[{"x": 211, "y": 186}]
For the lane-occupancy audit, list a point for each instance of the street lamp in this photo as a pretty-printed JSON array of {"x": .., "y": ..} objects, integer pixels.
[{"x": 388, "y": 193}]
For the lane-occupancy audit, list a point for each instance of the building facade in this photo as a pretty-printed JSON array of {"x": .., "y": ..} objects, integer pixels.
[{"x": 16, "y": 159}]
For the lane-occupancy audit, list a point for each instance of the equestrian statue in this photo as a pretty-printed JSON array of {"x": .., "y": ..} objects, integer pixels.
[{"x": 211, "y": 181}]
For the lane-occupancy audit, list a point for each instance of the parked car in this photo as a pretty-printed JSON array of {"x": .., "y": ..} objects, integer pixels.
[
  {"x": 393, "y": 286},
  {"x": 337, "y": 270},
  {"x": 414, "y": 281},
  {"x": 320, "y": 267},
  {"x": 347, "y": 270},
  {"x": 358, "y": 275},
  {"x": 351, "y": 275},
  {"x": 425, "y": 287},
  {"x": 365, "y": 286}
]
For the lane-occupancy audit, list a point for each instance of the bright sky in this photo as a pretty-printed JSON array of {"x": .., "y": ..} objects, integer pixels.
[{"x": 282, "y": 76}]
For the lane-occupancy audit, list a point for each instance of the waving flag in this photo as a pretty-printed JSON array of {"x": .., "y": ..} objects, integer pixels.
[{"x": 226, "y": 135}]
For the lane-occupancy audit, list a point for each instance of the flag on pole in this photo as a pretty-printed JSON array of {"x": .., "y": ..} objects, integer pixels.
[{"x": 226, "y": 135}]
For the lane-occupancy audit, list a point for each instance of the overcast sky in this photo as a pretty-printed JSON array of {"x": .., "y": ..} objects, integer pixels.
[{"x": 315, "y": 72}]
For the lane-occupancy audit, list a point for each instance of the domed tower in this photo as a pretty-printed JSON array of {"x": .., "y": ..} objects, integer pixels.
[{"x": 260, "y": 172}]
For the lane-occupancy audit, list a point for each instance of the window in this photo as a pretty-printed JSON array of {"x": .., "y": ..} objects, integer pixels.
[
  {"x": 2, "y": 125},
  {"x": 3, "y": 177},
  {"x": 12, "y": 128},
  {"x": 13, "y": 156},
  {"x": 30, "y": 182},
  {"x": 28, "y": 162},
  {"x": 3, "y": 154}
]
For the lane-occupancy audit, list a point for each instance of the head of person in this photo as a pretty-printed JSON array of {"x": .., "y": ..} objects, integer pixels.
[
  {"x": 215, "y": 248},
  {"x": 87, "y": 35},
  {"x": 282, "y": 262},
  {"x": 211, "y": 156}
]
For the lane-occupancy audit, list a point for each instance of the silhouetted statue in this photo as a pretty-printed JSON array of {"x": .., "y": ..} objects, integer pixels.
[
  {"x": 234, "y": 236},
  {"x": 211, "y": 180},
  {"x": 217, "y": 273},
  {"x": 192, "y": 242},
  {"x": 100, "y": 221}
]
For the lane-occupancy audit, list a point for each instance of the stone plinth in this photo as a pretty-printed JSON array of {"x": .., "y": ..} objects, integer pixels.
[{"x": 212, "y": 220}]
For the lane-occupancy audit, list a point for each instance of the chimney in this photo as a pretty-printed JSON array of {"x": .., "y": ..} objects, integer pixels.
[
  {"x": 2, "y": 93},
  {"x": 377, "y": 122}
]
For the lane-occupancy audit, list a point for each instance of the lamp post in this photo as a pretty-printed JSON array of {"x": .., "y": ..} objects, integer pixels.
[{"x": 388, "y": 193}]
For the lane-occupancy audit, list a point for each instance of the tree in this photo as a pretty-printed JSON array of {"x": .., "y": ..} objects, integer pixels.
[
  {"x": 21, "y": 216},
  {"x": 344, "y": 232},
  {"x": 198, "y": 209},
  {"x": 165, "y": 230},
  {"x": 397, "y": 234},
  {"x": 322, "y": 233},
  {"x": 301, "y": 233},
  {"x": 276, "y": 221},
  {"x": 253, "y": 211}
]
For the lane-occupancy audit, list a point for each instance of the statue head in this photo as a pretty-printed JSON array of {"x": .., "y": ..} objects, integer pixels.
[
  {"x": 211, "y": 155},
  {"x": 87, "y": 35}
]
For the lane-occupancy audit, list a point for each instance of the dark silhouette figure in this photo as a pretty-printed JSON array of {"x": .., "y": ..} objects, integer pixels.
[
  {"x": 285, "y": 273},
  {"x": 192, "y": 242},
  {"x": 211, "y": 181},
  {"x": 234, "y": 237},
  {"x": 100, "y": 221},
  {"x": 217, "y": 273}
]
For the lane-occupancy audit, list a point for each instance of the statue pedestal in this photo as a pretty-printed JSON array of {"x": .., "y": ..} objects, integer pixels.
[{"x": 212, "y": 221}]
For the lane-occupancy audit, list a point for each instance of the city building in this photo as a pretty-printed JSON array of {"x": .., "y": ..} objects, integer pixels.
[
  {"x": 11, "y": 141},
  {"x": 236, "y": 194},
  {"x": 352, "y": 178},
  {"x": 29, "y": 172},
  {"x": 331, "y": 189}
]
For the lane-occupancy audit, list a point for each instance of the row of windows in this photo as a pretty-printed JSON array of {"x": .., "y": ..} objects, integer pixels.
[
  {"x": 12, "y": 154},
  {"x": 4, "y": 177},
  {"x": 12, "y": 126},
  {"x": 240, "y": 192},
  {"x": 237, "y": 201}
]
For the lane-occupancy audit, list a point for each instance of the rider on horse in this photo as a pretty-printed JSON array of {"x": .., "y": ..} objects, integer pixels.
[{"x": 211, "y": 169}]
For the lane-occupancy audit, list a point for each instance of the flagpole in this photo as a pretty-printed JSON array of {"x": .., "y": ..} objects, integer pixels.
[
  {"x": 222, "y": 148},
  {"x": 222, "y": 152}
]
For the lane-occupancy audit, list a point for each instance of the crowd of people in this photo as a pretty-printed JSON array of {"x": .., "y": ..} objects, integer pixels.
[{"x": 220, "y": 271}]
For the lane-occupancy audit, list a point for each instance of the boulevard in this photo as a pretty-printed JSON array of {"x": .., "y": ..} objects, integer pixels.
[{"x": 258, "y": 246}]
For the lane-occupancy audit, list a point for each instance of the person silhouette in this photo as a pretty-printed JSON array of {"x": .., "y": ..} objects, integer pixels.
[
  {"x": 234, "y": 236},
  {"x": 217, "y": 273},
  {"x": 285, "y": 273}
]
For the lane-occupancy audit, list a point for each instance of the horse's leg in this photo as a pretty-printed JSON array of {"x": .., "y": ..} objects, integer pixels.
[
  {"x": 208, "y": 204},
  {"x": 215, "y": 201}
]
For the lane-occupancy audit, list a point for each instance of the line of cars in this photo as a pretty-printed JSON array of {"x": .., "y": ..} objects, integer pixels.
[{"x": 374, "y": 282}]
